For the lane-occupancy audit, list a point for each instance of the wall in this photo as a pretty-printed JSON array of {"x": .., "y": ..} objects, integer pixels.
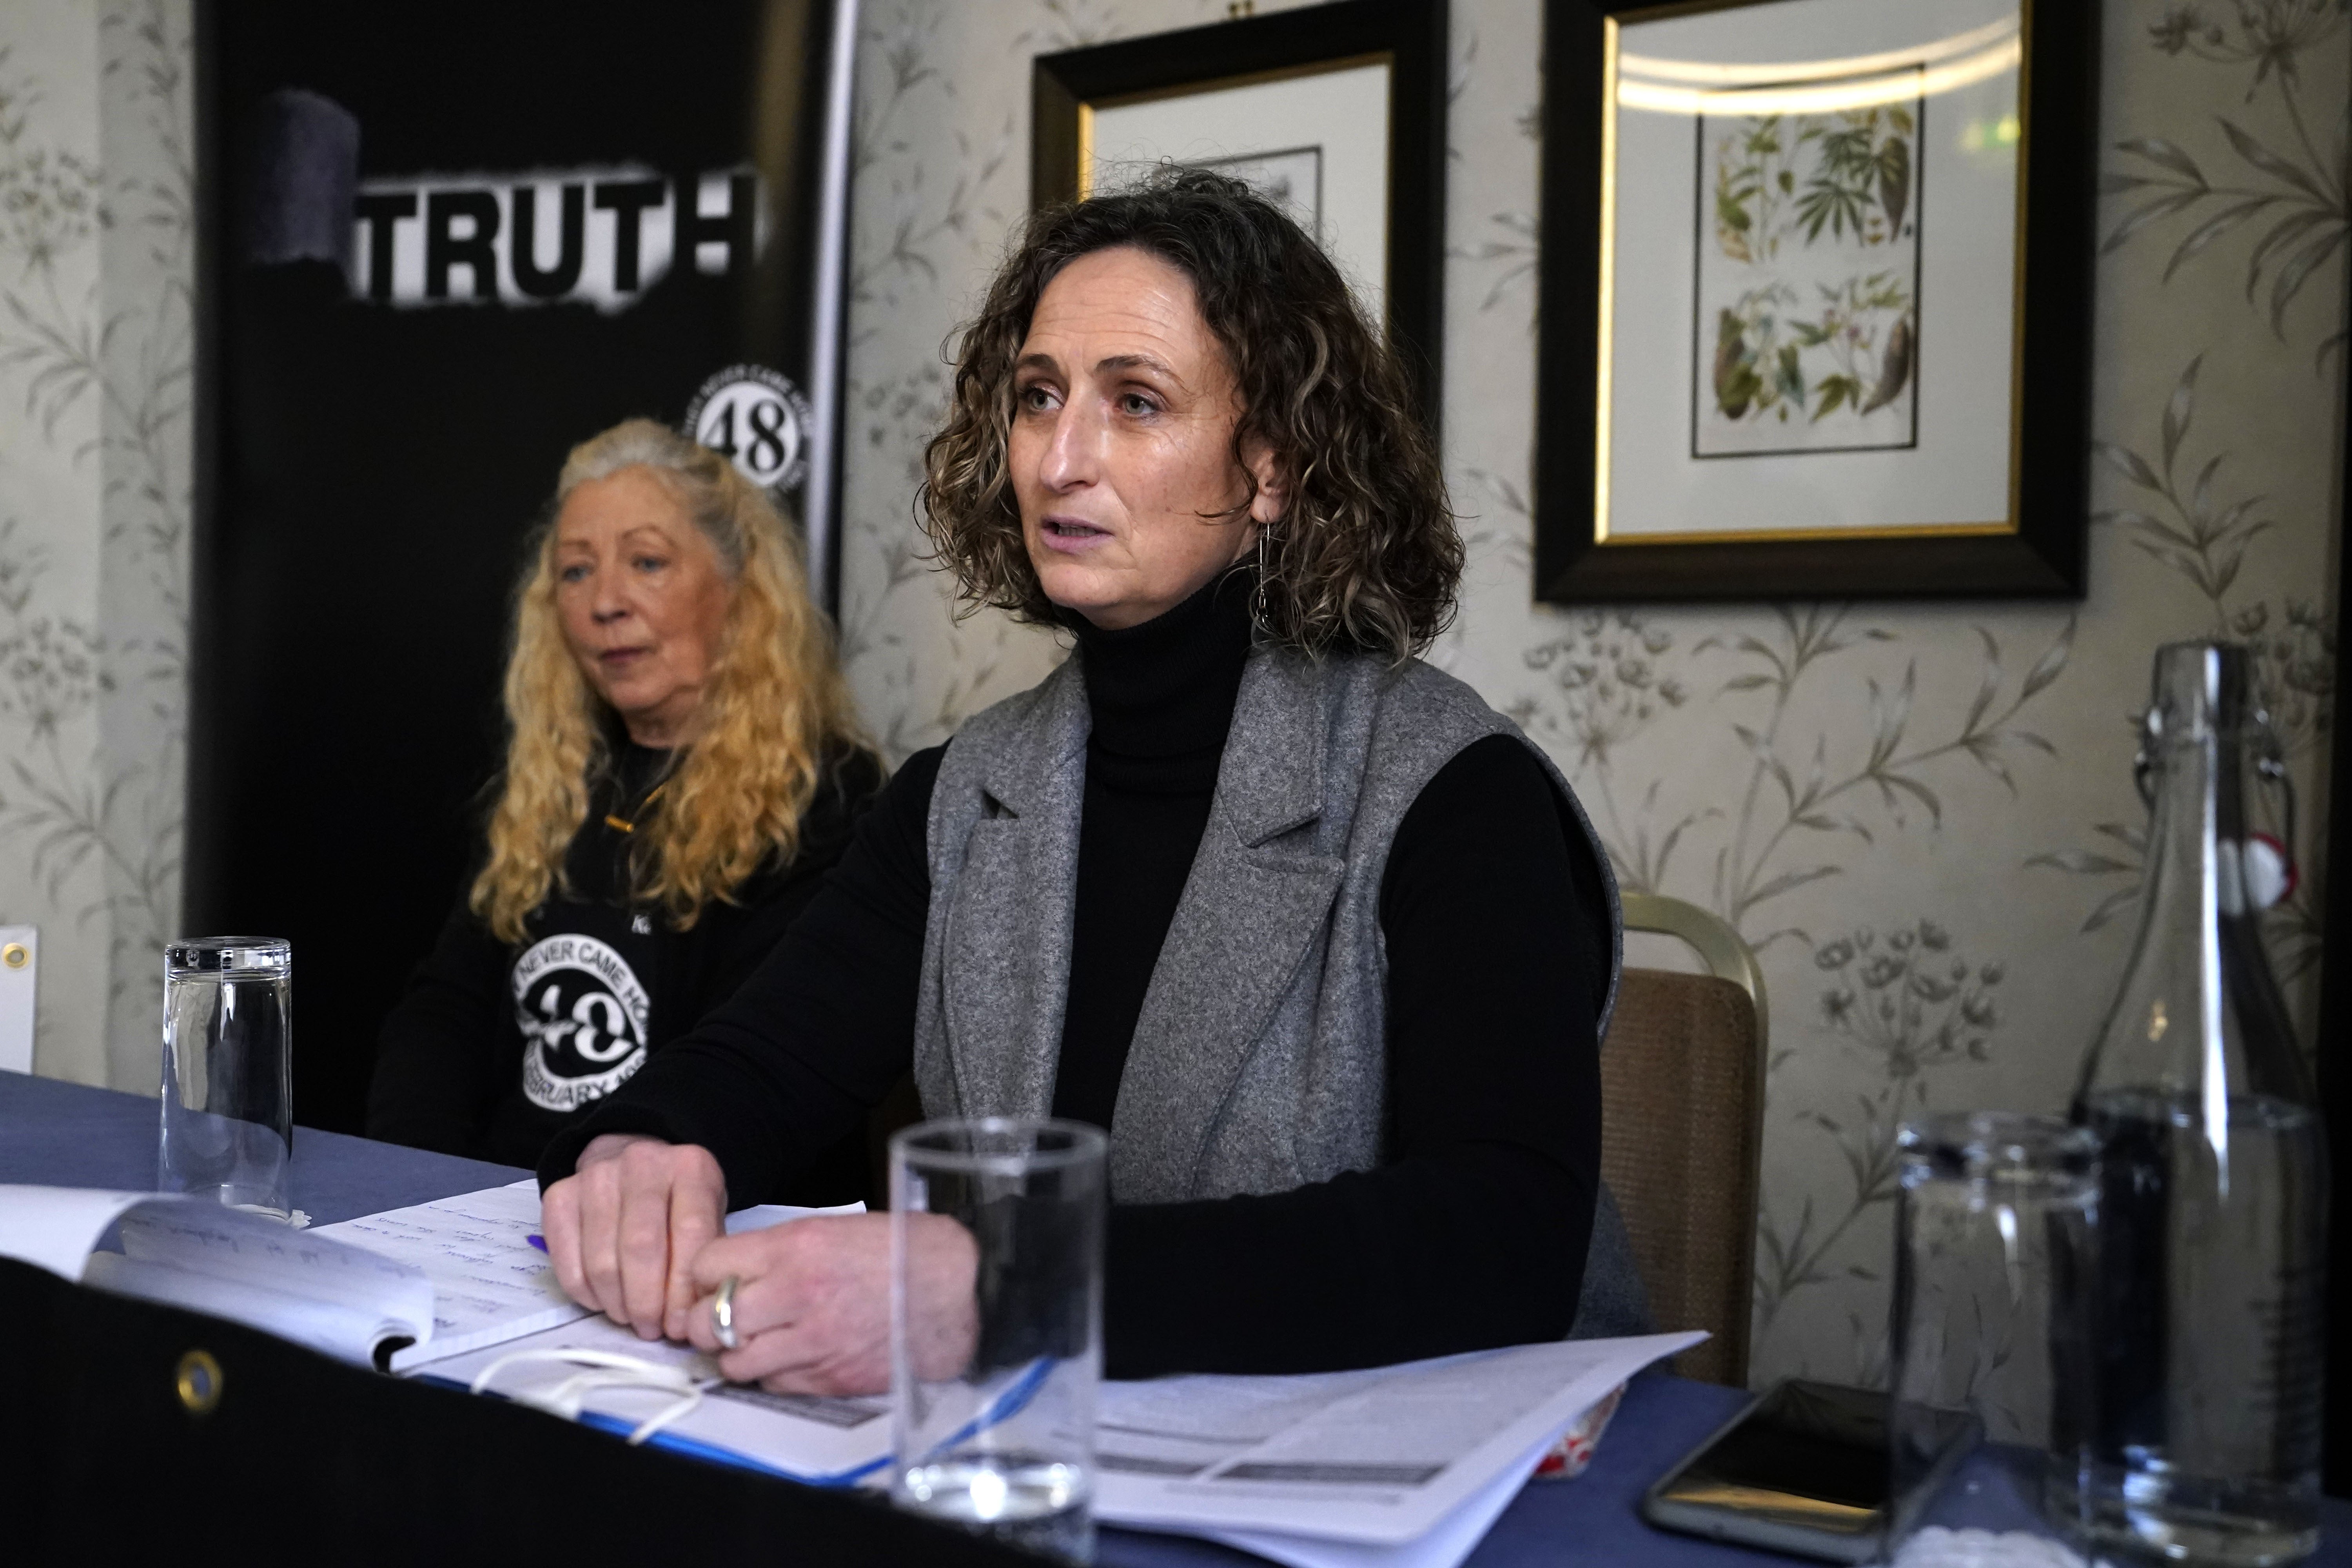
[
  {"x": 1922, "y": 816},
  {"x": 96, "y": 201}
]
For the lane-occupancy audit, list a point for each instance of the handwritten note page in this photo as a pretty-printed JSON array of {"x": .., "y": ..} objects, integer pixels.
[{"x": 489, "y": 1283}]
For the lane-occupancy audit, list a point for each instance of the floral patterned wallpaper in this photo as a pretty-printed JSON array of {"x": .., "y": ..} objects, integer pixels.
[
  {"x": 1922, "y": 816},
  {"x": 97, "y": 187}
]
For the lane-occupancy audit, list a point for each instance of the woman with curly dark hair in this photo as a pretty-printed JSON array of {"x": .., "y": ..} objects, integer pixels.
[{"x": 1321, "y": 940}]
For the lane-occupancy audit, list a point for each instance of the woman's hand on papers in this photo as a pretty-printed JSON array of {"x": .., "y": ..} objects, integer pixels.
[
  {"x": 812, "y": 1303},
  {"x": 623, "y": 1229}
]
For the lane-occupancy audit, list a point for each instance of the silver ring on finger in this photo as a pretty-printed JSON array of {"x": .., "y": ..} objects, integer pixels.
[{"x": 722, "y": 1313}]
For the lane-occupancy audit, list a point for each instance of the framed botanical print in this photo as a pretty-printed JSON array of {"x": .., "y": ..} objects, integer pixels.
[
  {"x": 1816, "y": 289},
  {"x": 1336, "y": 110}
]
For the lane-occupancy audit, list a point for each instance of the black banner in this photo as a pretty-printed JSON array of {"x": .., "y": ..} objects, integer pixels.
[{"x": 444, "y": 242}]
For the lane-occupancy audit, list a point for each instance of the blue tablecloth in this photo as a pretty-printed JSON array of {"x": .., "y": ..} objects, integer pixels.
[{"x": 66, "y": 1135}]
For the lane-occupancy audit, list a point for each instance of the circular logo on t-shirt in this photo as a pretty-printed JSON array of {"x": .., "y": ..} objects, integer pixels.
[
  {"x": 582, "y": 1016},
  {"x": 758, "y": 419}
]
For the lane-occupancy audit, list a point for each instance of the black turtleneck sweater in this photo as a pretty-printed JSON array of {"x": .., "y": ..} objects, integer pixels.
[
  {"x": 1160, "y": 696},
  {"x": 1472, "y": 1231}
]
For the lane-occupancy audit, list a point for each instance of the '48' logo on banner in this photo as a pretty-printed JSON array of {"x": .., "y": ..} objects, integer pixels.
[
  {"x": 582, "y": 1016},
  {"x": 758, "y": 419}
]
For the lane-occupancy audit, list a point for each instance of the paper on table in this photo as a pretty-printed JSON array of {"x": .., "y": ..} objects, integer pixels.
[
  {"x": 1381, "y": 1459},
  {"x": 821, "y": 1442},
  {"x": 193, "y": 1253},
  {"x": 1455, "y": 1537},
  {"x": 1495, "y": 1413},
  {"x": 760, "y": 1217},
  {"x": 489, "y": 1283},
  {"x": 348, "y": 1331},
  {"x": 55, "y": 1227}
]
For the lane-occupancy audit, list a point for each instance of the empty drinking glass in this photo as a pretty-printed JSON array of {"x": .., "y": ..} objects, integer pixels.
[
  {"x": 228, "y": 1071},
  {"x": 1993, "y": 1258},
  {"x": 1003, "y": 1441}
]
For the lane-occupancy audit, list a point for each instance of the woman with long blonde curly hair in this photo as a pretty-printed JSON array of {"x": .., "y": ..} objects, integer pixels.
[{"x": 683, "y": 760}]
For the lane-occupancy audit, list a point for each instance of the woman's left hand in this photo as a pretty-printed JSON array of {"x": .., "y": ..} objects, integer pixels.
[{"x": 812, "y": 1304}]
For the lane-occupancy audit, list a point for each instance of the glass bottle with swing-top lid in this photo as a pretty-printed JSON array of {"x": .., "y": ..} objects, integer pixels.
[{"x": 2212, "y": 1182}]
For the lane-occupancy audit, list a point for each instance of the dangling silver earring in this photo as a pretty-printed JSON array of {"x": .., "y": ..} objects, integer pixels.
[{"x": 1259, "y": 617}]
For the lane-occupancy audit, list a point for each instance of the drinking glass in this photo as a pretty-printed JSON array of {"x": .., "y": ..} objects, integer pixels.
[
  {"x": 229, "y": 1065},
  {"x": 1001, "y": 1441},
  {"x": 1990, "y": 1414}
]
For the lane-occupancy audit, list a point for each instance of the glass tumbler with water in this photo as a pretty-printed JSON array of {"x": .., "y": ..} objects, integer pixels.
[
  {"x": 1990, "y": 1410},
  {"x": 229, "y": 1065},
  {"x": 993, "y": 1413}
]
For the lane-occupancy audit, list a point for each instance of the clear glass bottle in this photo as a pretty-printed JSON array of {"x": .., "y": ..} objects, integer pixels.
[{"x": 2214, "y": 1172}]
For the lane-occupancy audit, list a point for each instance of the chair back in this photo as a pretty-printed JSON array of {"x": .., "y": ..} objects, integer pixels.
[{"x": 1682, "y": 1090}]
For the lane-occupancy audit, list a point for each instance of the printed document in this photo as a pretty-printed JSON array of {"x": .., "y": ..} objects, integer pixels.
[
  {"x": 818, "y": 1441},
  {"x": 1379, "y": 1457},
  {"x": 490, "y": 1282},
  {"x": 1399, "y": 1467},
  {"x": 396, "y": 1289},
  {"x": 192, "y": 1252}
]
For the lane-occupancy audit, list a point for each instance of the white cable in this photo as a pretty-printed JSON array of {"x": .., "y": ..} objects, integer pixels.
[{"x": 607, "y": 1369}]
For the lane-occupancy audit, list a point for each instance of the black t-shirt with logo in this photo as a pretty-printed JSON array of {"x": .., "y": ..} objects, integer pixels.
[{"x": 498, "y": 1046}]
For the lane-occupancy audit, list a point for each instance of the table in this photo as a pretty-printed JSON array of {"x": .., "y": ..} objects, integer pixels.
[{"x": 67, "y": 1134}]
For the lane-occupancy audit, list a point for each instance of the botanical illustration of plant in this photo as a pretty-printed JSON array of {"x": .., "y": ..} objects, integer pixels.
[
  {"x": 75, "y": 806},
  {"x": 1760, "y": 343},
  {"x": 1809, "y": 292},
  {"x": 2296, "y": 205},
  {"x": 1855, "y": 168}
]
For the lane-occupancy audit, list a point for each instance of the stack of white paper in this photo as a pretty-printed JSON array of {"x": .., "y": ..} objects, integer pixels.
[
  {"x": 195, "y": 1253},
  {"x": 398, "y": 1288},
  {"x": 1405, "y": 1467},
  {"x": 489, "y": 1283},
  {"x": 819, "y": 1442},
  {"x": 1401, "y": 1465},
  {"x": 491, "y": 1279}
]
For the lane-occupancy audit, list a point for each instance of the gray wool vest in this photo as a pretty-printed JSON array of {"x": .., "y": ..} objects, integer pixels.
[{"x": 1259, "y": 1062}]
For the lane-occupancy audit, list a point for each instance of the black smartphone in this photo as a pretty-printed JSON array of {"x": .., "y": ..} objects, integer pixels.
[{"x": 1802, "y": 1469}]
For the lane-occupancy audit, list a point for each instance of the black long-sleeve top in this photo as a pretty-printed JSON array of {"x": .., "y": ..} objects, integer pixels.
[
  {"x": 1471, "y": 1234},
  {"x": 495, "y": 1047}
]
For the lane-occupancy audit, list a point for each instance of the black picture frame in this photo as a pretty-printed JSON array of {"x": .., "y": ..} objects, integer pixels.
[
  {"x": 1411, "y": 33},
  {"x": 2042, "y": 555}
]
